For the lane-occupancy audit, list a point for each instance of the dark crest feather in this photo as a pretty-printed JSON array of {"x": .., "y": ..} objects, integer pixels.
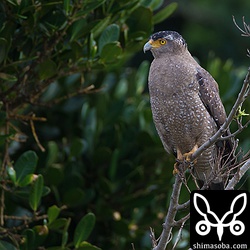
[{"x": 169, "y": 35}]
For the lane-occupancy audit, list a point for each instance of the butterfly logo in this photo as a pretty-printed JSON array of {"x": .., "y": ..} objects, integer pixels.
[{"x": 203, "y": 227}]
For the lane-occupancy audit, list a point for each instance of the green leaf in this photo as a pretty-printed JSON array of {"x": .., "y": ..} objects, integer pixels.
[
  {"x": 164, "y": 13},
  {"x": 155, "y": 4},
  {"x": 110, "y": 34},
  {"x": 92, "y": 46},
  {"x": 83, "y": 229},
  {"x": 65, "y": 234},
  {"x": 36, "y": 193},
  {"x": 77, "y": 50},
  {"x": 47, "y": 69},
  {"x": 4, "y": 245},
  {"x": 11, "y": 173},
  {"x": 88, "y": 7},
  {"x": 25, "y": 165},
  {"x": 141, "y": 77},
  {"x": 66, "y": 5},
  {"x": 140, "y": 23},
  {"x": 53, "y": 213},
  {"x": 77, "y": 147},
  {"x": 29, "y": 238},
  {"x": 122, "y": 88},
  {"x": 87, "y": 246},
  {"x": 26, "y": 180},
  {"x": 46, "y": 191},
  {"x": 65, "y": 237},
  {"x": 52, "y": 153},
  {"x": 58, "y": 224},
  {"x": 114, "y": 164},
  {"x": 111, "y": 52},
  {"x": 78, "y": 28},
  {"x": 100, "y": 26}
]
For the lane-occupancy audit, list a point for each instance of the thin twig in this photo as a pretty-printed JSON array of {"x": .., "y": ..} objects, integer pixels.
[
  {"x": 182, "y": 220},
  {"x": 169, "y": 221},
  {"x": 246, "y": 31},
  {"x": 237, "y": 176},
  {"x": 88, "y": 90},
  {"x": 133, "y": 246},
  {"x": 184, "y": 206},
  {"x": 179, "y": 234},
  {"x": 25, "y": 218},
  {"x": 153, "y": 239},
  {"x": 223, "y": 138},
  {"x": 35, "y": 136},
  {"x": 27, "y": 117}
]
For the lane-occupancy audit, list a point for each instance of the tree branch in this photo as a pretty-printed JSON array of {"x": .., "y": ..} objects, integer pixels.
[
  {"x": 237, "y": 176},
  {"x": 246, "y": 30},
  {"x": 183, "y": 220},
  {"x": 236, "y": 132},
  {"x": 169, "y": 221}
]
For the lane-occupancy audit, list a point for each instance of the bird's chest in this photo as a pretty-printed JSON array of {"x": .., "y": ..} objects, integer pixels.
[{"x": 177, "y": 109}]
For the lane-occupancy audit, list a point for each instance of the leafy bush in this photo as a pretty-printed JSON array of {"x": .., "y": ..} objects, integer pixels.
[
  {"x": 81, "y": 164},
  {"x": 76, "y": 127}
]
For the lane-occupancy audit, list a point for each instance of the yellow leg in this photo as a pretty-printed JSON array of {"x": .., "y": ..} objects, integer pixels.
[
  {"x": 181, "y": 157},
  {"x": 188, "y": 156},
  {"x": 178, "y": 160}
]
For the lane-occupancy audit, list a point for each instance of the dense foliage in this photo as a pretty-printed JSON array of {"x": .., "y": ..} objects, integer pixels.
[{"x": 81, "y": 164}]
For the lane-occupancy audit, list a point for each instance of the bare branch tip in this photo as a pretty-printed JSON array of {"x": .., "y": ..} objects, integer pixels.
[
  {"x": 133, "y": 246},
  {"x": 246, "y": 30}
]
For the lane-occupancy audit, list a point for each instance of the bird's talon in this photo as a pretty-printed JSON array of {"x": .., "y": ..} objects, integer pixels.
[
  {"x": 176, "y": 170},
  {"x": 188, "y": 156}
]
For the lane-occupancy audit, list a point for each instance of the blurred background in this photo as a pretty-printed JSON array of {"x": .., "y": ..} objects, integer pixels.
[
  {"x": 87, "y": 75},
  {"x": 208, "y": 27}
]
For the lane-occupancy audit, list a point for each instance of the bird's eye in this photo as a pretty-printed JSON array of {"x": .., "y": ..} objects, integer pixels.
[{"x": 162, "y": 42}]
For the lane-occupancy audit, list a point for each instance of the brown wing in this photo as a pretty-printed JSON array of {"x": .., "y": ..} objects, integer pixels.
[{"x": 209, "y": 94}]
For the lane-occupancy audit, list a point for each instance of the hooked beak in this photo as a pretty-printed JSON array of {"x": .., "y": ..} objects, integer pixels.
[{"x": 147, "y": 46}]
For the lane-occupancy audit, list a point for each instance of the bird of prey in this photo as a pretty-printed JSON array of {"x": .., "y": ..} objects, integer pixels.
[{"x": 186, "y": 106}]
